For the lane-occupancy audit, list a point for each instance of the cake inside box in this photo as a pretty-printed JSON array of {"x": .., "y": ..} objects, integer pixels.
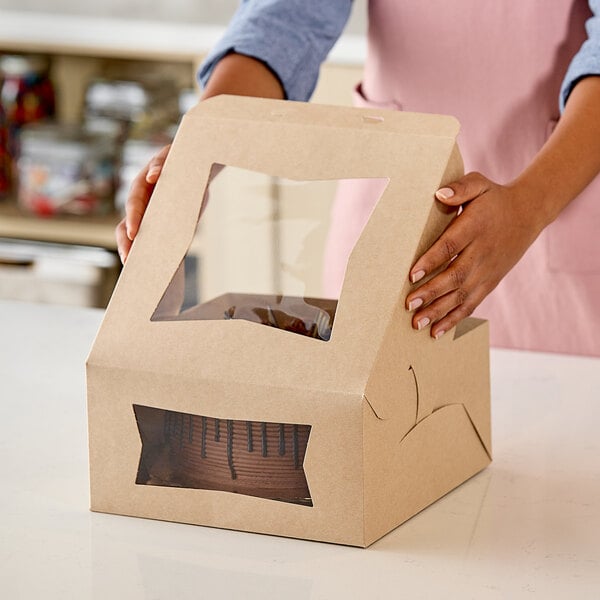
[
  {"x": 262, "y": 252},
  {"x": 312, "y": 317},
  {"x": 245, "y": 457}
]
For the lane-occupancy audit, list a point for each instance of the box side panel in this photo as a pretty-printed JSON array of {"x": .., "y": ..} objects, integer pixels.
[
  {"x": 333, "y": 461},
  {"x": 436, "y": 433},
  {"x": 405, "y": 475},
  {"x": 458, "y": 371}
]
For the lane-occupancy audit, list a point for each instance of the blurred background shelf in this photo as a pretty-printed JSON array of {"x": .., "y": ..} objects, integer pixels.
[
  {"x": 68, "y": 229},
  {"x": 87, "y": 35},
  {"x": 85, "y": 42}
]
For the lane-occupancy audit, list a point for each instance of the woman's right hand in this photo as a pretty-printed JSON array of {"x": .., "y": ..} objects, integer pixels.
[{"x": 137, "y": 201}]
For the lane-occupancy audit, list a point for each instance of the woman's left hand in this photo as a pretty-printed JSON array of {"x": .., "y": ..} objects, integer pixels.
[{"x": 479, "y": 247}]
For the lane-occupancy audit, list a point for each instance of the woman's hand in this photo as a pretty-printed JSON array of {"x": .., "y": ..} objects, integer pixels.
[
  {"x": 137, "y": 201},
  {"x": 479, "y": 247},
  {"x": 234, "y": 74},
  {"x": 499, "y": 222}
]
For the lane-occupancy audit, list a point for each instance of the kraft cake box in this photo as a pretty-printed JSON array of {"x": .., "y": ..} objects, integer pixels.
[{"x": 316, "y": 418}]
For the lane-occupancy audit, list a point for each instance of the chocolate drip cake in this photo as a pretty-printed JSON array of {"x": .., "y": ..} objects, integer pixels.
[{"x": 246, "y": 457}]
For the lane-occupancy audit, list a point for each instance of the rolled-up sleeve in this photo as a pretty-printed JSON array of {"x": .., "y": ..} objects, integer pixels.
[
  {"x": 587, "y": 61},
  {"x": 292, "y": 37}
]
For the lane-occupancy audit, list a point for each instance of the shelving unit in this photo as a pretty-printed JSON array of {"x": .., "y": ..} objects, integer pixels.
[
  {"x": 82, "y": 47},
  {"x": 85, "y": 231}
]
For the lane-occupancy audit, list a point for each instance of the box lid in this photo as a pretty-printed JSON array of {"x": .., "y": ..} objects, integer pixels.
[{"x": 302, "y": 141}]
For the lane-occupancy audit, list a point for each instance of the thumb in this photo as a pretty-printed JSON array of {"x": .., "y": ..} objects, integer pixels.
[{"x": 463, "y": 190}]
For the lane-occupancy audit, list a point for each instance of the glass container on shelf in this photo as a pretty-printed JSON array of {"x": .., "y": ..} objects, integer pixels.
[
  {"x": 136, "y": 108},
  {"x": 65, "y": 169},
  {"x": 27, "y": 93},
  {"x": 26, "y": 96}
]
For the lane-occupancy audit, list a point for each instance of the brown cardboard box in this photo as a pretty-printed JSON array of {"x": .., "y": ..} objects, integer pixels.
[{"x": 394, "y": 419}]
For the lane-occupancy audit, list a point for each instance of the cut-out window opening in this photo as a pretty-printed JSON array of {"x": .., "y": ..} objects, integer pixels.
[
  {"x": 244, "y": 457},
  {"x": 259, "y": 253}
]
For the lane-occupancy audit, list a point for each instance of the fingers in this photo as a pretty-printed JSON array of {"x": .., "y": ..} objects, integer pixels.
[
  {"x": 463, "y": 190},
  {"x": 455, "y": 315},
  {"x": 460, "y": 232},
  {"x": 453, "y": 279},
  {"x": 449, "y": 293},
  {"x": 156, "y": 164},
  {"x": 457, "y": 289},
  {"x": 123, "y": 242},
  {"x": 454, "y": 240},
  {"x": 448, "y": 310},
  {"x": 440, "y": 308},
  {"x": 141, "y": 190}
]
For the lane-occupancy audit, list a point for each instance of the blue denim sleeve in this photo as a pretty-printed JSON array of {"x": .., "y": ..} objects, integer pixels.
[
  {"x": 587, "y": 60},
  {"x": 292, "y": 37}
]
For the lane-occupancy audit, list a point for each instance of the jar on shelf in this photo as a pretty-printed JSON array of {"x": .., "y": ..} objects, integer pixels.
[
  {"x": 137, "y": 108},
  {"x": 27, "y": 94},
  {"x": 66, "y": 170}
]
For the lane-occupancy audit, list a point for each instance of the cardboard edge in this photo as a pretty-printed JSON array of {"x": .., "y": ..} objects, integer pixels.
[
  {"x": 467, "y": 325},
  {"x": 229, "y": 106}
]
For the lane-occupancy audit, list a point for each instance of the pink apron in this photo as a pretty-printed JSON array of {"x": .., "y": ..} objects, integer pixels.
[{"x": 497, "y": 66}]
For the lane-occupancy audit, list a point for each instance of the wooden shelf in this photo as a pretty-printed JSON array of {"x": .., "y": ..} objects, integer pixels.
[{"x": 85, "y": 230}]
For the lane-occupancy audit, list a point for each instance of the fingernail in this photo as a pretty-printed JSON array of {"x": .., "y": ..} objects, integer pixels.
[
  {"x": 121, "y": 257},
  {"x": 421, "y": 323},
  {"x": 417, "y": 276},
  {"x": 414, "y": 304},
  {"x": 152, "y": 173},
  {"x": 444, "y": 193},
  {"x": 439, "y": 334},
  {"x": 129, "y": 234}
]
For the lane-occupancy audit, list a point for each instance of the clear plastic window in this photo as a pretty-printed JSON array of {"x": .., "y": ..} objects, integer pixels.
[
  {"x": 260, "y": 253},
  {"x": 245, "y": 457}
]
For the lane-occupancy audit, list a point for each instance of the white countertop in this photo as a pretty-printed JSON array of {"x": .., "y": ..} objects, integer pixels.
[{"x": 528, "y": 526}]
